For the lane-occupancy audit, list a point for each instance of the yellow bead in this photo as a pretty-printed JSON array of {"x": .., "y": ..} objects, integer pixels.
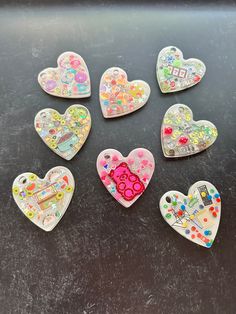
[
  {"x": 203, "y": 194},
  {"x": 191, "y": 217}
]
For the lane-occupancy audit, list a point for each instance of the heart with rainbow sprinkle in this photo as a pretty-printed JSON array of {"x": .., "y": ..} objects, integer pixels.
[
  {"x": 119, "y": 97},
  {"x": 195, "y": 216},
  {"x": 69, "y": 80},
  {"x": 126, "y": 178}
]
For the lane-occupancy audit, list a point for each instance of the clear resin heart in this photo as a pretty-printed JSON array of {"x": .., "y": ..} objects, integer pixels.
[
  {"x": 174, "y": 73},
  {"x": 182, "y": 136},
  {"x": 119, "y": 97},
  {"x": 195, "y": 216},
  {"x": 64, "y": 134},
  {"x": 69, "y": 80},
  {"x": 126, "y": 178},
  {"x": 44, "y": 201}
]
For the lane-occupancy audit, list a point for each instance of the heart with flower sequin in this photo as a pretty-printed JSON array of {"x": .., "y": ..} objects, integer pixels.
[
  {"x": 182, "y": 136},
  {"x": 69, "y": 80},
  {"x": 126, "y": 178},
  {"x": 119, "y": 97},
  {"x": 174, "y": 73},
  {"x": 44, "y": 201},
  {"x": 195, "y": 216},
  {"x": 64, "y": 134}
]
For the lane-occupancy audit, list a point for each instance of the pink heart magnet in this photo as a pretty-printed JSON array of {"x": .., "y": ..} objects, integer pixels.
[
  {"x": 126, "y": 178},
  {"x": 70, "y": 79},
  {"x": 118, "y": 96}
]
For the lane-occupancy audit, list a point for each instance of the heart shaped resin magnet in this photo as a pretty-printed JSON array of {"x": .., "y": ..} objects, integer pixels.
[
  {"x": 64, "y": 134},
  {"x": 196, "y": 216},
  {"x": 119, "y": 97},
  {"x": 44, "y": 201},
  {"x": 126, "y": 178},
  {"x": 69, "y": 80},
  {"x": 182, "y": 136},
  {"x": 174, "y": 73}
]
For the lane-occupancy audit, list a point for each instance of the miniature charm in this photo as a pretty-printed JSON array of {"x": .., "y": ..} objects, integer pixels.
[
  {"x": 126, "y": 178},
  {"x": 182, "y": 136},
  {"x": 174, "y": 73},
  {"x": 44, "y": 201},
  {"x": 119, "y": 97},
  {"x": 69, "y": 80},
  {"x": 196, "y": 216},
  {"x": 64, "y": 134}
]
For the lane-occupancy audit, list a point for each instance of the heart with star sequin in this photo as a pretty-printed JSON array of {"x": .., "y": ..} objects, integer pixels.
[{"x": 118, "y": 96}]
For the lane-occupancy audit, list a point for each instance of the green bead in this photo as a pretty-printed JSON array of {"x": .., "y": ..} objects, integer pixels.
[{"x": 168, "y": 216}]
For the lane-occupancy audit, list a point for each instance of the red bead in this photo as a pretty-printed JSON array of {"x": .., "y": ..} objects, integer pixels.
[
  {"x": 211, "y": 208},
  {"x": 180, "y": 213},
  {"x": 193, "y": 236},
  {"x": 168, "y": 131},
  {"x": 193, "y": 228},
  {"x": 113, "y": 82},
  {"x": 218, "y": 200},
  {"x": 183, "y": 140},
  {"x": 214, "y": 214}
]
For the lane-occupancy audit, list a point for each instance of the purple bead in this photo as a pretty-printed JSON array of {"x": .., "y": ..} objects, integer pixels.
[
  {"x": 81, "y": 77},
  {"x": 51, "y": 85}
]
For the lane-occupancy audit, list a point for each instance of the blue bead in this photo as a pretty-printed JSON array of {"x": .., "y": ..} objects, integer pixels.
[
  {"x": 209, "y": 197},
  {"x": 208, "y": 244},
  {"x": 217, "y": 195},
  {"x": 182, "y": 207}
]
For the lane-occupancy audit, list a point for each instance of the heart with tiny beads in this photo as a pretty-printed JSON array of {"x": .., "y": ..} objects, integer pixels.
[
  {"x": 64, "y": 134},
  {"x": 195, "y": 216},
  {"x": 70, "y": 79},
  {"x": 182, "y": 136},
  {"x": 44, "y": 201},
  {"x": 126, "y": 178},
  {"x": 174, "y": 73},
  {"x": 119, "y": 97}
]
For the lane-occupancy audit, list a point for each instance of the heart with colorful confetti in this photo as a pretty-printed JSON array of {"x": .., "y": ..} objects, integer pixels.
[
  {"x": 119, "y": 97},
  {"x": 64, "y": 134},
  {"x": 69, "y": 80},
  {"x": 174, "y": 73},
  {"x": 44, "y": 201},
  {"x": 182, "y": 136},
  {"x": 195, "y": 216}
]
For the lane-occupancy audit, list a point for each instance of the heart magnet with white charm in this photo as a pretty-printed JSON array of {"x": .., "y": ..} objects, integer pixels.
[
  {"x": 69, "y": 80},
  {"x": 118, "y": 96},
  {"x": 174, "y": 73},
  {"x": 44, "y": 201},
  {"x": 195, "y": 216},
  {"x": 64, "y": 134},
  {"x": 126, "y": 178},
  {"x": 182, "y": 136}
]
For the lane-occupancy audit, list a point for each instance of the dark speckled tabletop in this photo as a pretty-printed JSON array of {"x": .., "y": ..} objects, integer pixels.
[{"x": 103, "y": 258}]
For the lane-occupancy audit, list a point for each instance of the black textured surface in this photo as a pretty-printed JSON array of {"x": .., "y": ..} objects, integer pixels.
[{"x": 102, "y": 258}]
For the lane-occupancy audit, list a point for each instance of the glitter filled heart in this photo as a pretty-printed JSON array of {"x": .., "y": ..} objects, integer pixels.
[
  {"x": 196, "y": 216},
  {"x": 182, "y": 136},
  {"x": 69, "y": 80},
  {"x": 119, "y": 97},
  {"x": 174, "y": 73},
  {"x": 64, "y": 134},
  {"x": 44, "y": 201},
  {"x": 126, "y": 178}
]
